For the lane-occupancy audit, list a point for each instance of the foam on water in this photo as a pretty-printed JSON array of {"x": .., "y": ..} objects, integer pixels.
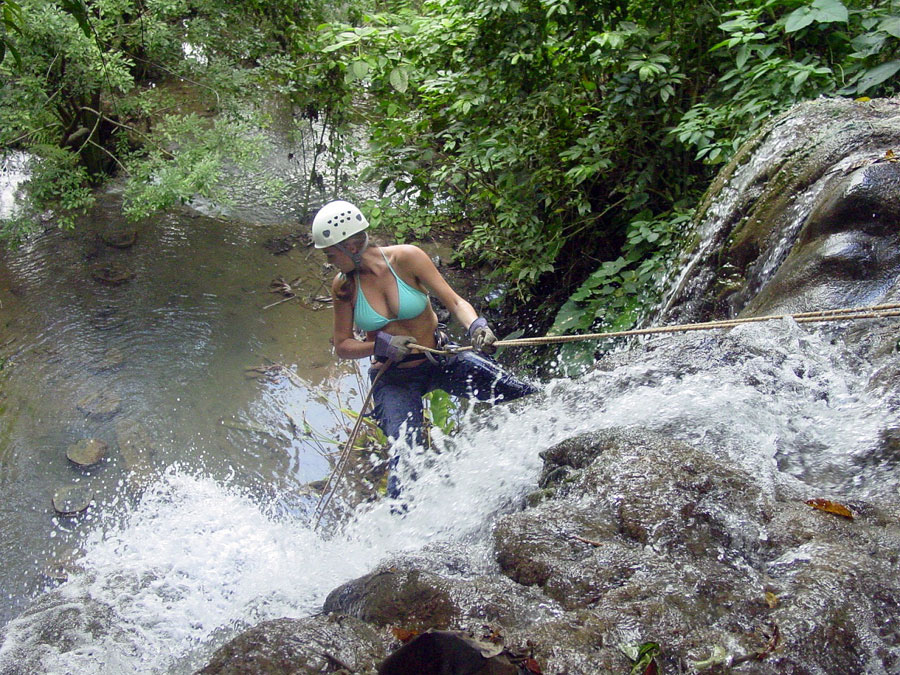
[{"x": 199, "y": 560}]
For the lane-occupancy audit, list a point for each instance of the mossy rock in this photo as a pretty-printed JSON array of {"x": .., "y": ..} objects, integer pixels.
[
  {"x": 72, "y": 499},
  {"x": 87, "y": 452}
]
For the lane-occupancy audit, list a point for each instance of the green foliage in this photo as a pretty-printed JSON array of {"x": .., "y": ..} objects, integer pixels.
[
  {"x": 623, "y": 291},
  {"x": 10, "y": 21},
  {"x": 160, "y": 179},
  {"x": 442, "y": 411},
  {"x": 82, "y": 98},
  {"x": 560, "y": 133},
  {"x": 779, "y": 52}
]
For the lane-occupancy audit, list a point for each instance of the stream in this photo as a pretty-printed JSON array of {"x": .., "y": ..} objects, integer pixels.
[
  {"x": 158, "y": 362},
  {"x": 200, "y": 521}
]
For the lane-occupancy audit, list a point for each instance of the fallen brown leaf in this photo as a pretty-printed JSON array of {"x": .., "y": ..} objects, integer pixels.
[{"x": 830, "y": 507}]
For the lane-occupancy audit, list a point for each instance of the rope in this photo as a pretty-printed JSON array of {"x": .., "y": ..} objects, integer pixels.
[
  {"x": 341, "y": 466},
  {"x": 852, "y": 314}
]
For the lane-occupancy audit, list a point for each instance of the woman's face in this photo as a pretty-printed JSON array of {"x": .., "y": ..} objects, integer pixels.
[{"x": 338, "y": 258}]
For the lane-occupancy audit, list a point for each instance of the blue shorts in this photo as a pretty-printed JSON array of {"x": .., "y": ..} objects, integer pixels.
[{"x": 397, "y": 395}]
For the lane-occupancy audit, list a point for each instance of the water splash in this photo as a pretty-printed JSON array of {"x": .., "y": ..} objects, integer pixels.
[{"x": 198, "y": 560}]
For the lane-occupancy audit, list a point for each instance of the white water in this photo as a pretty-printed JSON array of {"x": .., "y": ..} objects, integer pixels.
[{"x": 197, "y": 560}]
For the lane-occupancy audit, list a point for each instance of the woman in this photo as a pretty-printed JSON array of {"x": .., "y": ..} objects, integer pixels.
[{"x": 384, "y": 292}]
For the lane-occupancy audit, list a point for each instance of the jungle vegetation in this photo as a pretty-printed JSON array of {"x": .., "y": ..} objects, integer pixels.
[{"x": 567, "y": 140}]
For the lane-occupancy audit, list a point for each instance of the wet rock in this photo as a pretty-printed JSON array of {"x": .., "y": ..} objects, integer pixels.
[
  {"x": 54, "y": 630},
  {"x": 100, "y": 404},
  {"x": 87, "y": 452},
  {"x": 62, "y": 567},
  {"x": 437, "y": 589},
  {"x": 72, "y": 499},
  {"x": 317, "y": 485},
  {"x": 284, "y": 243},
  {"x": 805, "y": 215},
  {"x": 448, "y": 652},
  {"x": 300, "y": 647},
  {"x": 414, "y": 599},
  {"x": 112, "y": 274},
  {"x": 119, "y": 238},
  {"x": 138, "y": 451}
]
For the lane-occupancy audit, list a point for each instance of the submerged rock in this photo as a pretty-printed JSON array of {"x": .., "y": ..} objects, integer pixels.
[
  {"x": 138, "y": 451},
  {"x": 112, "y": 359},
  {"x": 87, "y": 452},
  {"x": 100, "y": 404},
  {"x": 119, "y": 238},
  {"x": 112, "y": 274},
  {"x": 72, "y": 499}
]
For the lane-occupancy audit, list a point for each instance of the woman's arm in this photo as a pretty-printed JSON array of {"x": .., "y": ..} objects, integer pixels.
[{"x": 345, "y": 344}]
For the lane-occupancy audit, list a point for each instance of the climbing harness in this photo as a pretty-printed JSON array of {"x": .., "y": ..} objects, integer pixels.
[{"x": 873, "y": 312}]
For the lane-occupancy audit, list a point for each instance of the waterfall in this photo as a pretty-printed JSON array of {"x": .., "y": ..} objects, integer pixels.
[{"x": 199, "y": 559}]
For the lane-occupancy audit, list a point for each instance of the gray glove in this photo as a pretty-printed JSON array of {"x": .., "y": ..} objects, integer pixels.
[
  {"x": 393, "y": 347},
  {"x": 482, "y": 337}
]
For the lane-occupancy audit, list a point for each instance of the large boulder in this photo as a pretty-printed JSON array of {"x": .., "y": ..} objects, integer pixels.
[{"x": 805, "y": 217}]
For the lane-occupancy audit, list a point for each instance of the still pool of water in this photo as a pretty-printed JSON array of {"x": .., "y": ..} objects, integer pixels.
[{"x": 156, "y": 368}]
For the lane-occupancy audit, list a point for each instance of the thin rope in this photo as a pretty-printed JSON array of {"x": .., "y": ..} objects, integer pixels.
[
  {"x": 343, "y": 461},
  {"x": 847, "y": 314}
]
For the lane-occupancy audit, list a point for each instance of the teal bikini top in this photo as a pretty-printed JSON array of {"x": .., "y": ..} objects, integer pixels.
[{"x": 412, "y": 302}]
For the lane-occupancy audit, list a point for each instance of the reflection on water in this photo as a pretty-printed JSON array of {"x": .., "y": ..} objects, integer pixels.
[
  {"x": 154, "y": 367},
  {"x": 13, "y": 172}
]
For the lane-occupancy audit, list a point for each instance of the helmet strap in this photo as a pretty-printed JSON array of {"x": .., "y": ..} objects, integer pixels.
[{"x": 355, "y": 257}]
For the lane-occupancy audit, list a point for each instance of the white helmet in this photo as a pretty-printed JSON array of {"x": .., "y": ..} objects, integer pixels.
[{"x": 335, "y": 222}]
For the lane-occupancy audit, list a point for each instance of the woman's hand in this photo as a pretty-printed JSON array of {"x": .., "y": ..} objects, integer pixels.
[
  {"x": 393, "y": 347},
  {"x": 481, "y": 336}
]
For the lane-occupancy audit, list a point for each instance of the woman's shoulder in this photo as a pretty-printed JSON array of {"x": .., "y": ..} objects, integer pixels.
[
  {"x": 405, "y": 254},
  {"x": 403, "y": 250}
]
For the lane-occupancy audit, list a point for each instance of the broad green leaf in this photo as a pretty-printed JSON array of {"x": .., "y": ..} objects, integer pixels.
[
  {"x": 338, "y": 45},
  {"x": 77, "y": 9},
  {"x": 891, "y": 26},
  {"x": 877, "y": 75},
  {"x": 569, "y": 317},
  {"x": 799, "y": 19},
  {"x": 360, "y": 69},
  {"x": 830, "y": 11},
  {"x": 399, "y": 79}
]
